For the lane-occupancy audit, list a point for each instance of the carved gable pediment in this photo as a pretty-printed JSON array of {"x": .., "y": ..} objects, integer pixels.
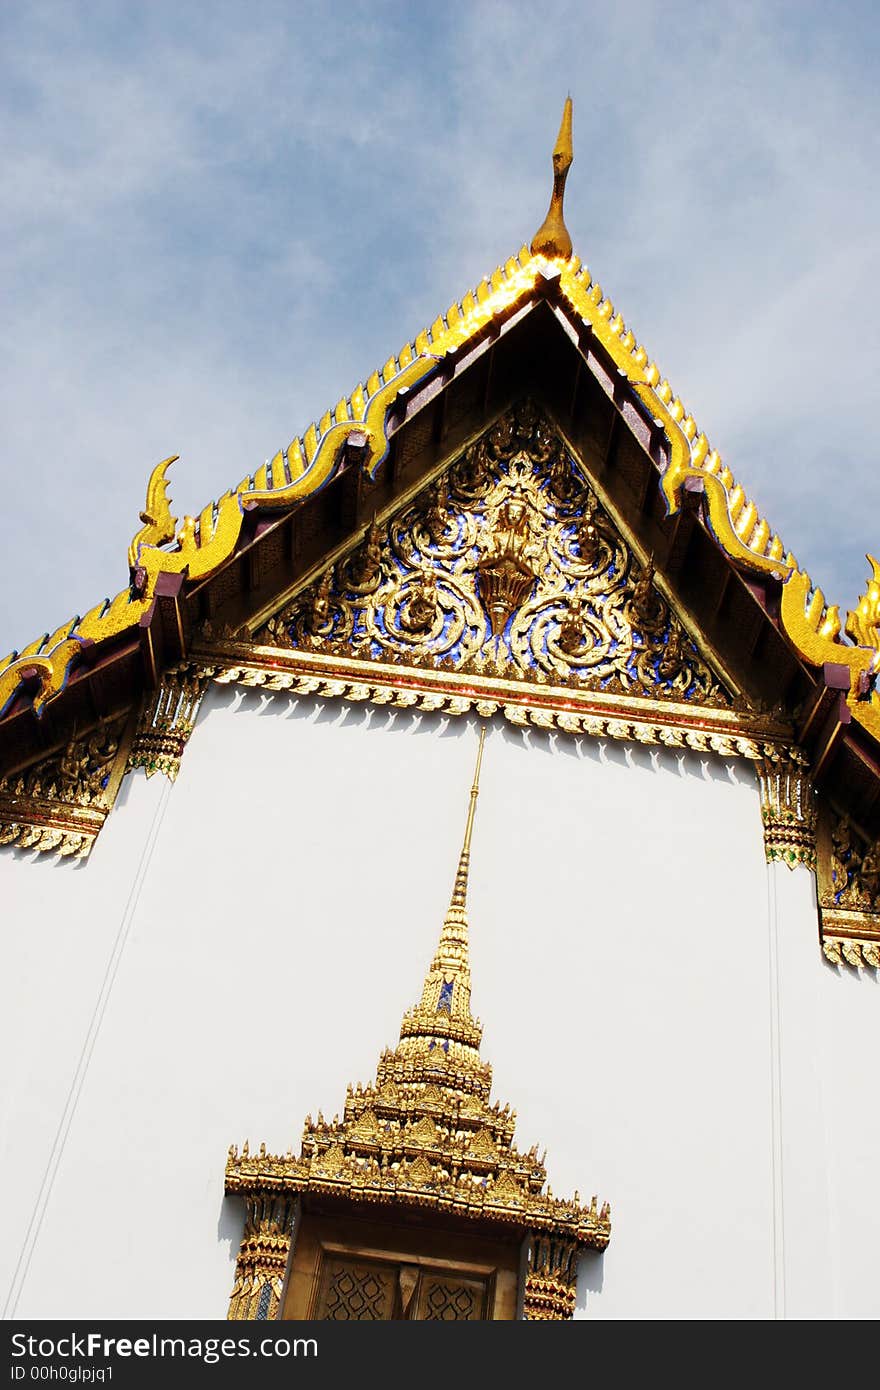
[{"x": 506, "y": 564}]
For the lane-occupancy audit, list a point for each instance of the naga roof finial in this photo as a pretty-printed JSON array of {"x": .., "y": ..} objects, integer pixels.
[{"x": 552, "y": 238}]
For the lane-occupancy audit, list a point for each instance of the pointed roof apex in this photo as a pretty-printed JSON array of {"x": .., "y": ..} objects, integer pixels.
[
  {"x": 563, "y": 150},
  {"x": 552, "y": 238}
]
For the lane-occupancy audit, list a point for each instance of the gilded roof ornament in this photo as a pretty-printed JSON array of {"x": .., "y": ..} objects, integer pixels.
[
  {"x": 159, "y": 526},
  {"x": 552, "y": 238},
  {"x": 863, "y": 622},
  {"x": 40, "y": 671}
]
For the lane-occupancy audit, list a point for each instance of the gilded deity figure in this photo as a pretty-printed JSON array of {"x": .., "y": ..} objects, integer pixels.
[
  {"x": 870, "y": 873},
  {"x": 587, "y": 533},
  {"x": 472, "y": 472},
  {"x": 102, "y": 745},
  {"x": 572, "y": 636},
  {"x": 320, "y": 612},
  {"x": 501, "y": 439},
  {"x": 72, "y": 765},
  {"x": 437, "y": 515},
  {"x": 856, "y": 868},
  {"x": 366, "y": 566},
  {"x": 506, "y": 573},
  {"x": 418, "y": 612},
  {"x": 646, "y": 603},
  {"x": 672, "y": 656},
  {"x": 563, "y": 483}
]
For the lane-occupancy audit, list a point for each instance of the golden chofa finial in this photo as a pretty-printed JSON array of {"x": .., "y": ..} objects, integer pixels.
[{"x": 552, "y": 237}]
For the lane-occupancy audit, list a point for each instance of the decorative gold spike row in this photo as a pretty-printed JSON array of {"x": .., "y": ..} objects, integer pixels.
[
  {"x": 736, "y": 523},
  {"x": 788, "y": 810},
  {"x": 59, "y": 805},
  {"x": 846, "y": 950},
  {"x": 262, "y": 1259},
  {"x": 636, "y": 722},
  {"x": 167, "y": 721},
  {"x": 47, "y": 839},
  {"x": 45, "y": 664}
]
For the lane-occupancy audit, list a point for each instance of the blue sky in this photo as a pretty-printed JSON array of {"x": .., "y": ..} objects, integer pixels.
[{"x": 218, "y": 218}]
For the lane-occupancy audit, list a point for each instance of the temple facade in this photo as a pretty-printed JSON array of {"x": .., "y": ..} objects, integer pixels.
[{"x": 295, "y": 1026}]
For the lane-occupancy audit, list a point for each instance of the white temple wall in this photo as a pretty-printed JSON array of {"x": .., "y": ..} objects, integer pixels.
[
  {"x": 62, "y": 925},
  {"x": 830, "y": 1030},
  {"x": 802, "y": 1218},
  {"x": 848, "y": 1016},
  {"x": 654, "y": 1000}
]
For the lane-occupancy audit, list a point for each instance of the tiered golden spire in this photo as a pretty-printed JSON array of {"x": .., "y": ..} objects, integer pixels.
[
  {"x": 442, "y": 1019},
  {"x": 424, "y": 1136},
  {"x": 552, "y": 238}
]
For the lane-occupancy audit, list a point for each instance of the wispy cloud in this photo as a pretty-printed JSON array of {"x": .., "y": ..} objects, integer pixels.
[{"x": 216, "y": 219}]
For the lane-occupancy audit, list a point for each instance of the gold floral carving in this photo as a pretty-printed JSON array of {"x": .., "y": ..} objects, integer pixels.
[
  {"x": 849, "y": 892},
  {"x": 788, "y": 810},
  {"x": 166, "y": 722},
  {"x": 59, "y": 804},
  {"x": 424, "y": 1136},
  {"x": 262, "y": 1259},
  {"x": 504, "y": 587}
]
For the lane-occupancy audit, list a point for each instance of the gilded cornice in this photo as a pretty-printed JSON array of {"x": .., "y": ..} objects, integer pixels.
[
  {"x": 200, "y": 545},
  {"x": 848, "y": 874},
  {"x": 60, "y": 803},
  {"x": 601, "y": 714}
]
